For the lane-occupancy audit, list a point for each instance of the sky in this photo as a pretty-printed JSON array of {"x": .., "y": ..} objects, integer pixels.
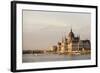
[{"x": 43, "y": 29}]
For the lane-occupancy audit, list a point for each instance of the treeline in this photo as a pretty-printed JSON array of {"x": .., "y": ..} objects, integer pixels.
[{"x": 33, "y": 51}]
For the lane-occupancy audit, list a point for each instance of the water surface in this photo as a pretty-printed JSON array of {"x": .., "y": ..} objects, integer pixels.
[{"x": 52, "y": 57}]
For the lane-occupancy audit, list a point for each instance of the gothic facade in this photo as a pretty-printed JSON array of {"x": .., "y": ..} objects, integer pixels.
[{"x": 73, "y": 43}]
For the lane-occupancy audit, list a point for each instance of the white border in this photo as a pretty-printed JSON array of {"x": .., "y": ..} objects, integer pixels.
[{"x": 21, "y": 65}]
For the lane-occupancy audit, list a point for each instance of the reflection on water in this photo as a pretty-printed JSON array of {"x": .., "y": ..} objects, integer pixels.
[{"x": 52, "y": 57}]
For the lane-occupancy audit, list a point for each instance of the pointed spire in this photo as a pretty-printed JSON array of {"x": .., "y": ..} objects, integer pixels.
[
  {"x": 71, "y": 29},
  {"x": 79, "y": 36},
  {"x": 62, "y": 39},
  {"x": 65, "y": 37}
]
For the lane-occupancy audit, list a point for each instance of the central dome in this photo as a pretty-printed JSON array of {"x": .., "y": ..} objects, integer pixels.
[{"x": 71, "y": 34}]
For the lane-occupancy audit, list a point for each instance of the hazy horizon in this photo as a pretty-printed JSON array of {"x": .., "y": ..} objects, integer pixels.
[{"x": 43, "y": 29}]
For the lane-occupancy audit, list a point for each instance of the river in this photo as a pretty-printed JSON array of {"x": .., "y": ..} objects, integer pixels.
[{"x": 52, "y": 57}]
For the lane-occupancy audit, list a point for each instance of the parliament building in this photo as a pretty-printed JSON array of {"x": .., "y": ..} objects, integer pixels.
[{"x": 72, "y": 43}]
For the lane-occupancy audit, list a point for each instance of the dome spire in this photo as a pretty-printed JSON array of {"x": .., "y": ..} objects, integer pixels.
[
  {"x": 71, "y": 34},
  {"x": 71, "y": 29}
]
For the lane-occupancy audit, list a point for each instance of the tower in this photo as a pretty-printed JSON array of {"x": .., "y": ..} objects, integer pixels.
[{"x": 70, "y": 36}]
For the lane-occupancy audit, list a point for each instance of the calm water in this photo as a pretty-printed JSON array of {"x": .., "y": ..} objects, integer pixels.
[{"x": 52, "y": 57}]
